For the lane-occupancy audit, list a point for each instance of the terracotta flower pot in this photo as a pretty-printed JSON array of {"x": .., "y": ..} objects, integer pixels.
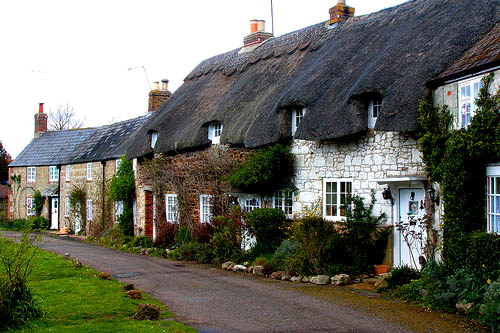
[{"x": 381, "y": 269}]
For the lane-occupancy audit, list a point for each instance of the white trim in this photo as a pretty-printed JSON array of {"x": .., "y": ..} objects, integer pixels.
[
  {"x": 89, "y": 171},
  {"x": 469, "y": 101},
  {"x": 53, "y": 173},
  {"x": 215, "y": 132},
  {"x": 89, "y": 210},
  {"x": 205, "y": 208},
  {"x": 66, "y": 207},
  {"x": 118, "y": 162},
  {"x": 374, "y": 111},
  {"x": 68, "y": 172},
  {"x": 118, "y": 209},
  {"x": 134, "y": 166},
  {"x": 283, "y": 200},
  {"x": 31, "y": 174},
  {"x": 30, "y": 206},
  {"x": 154, "y": 138},
  {"x": 171, "y": 208},
  {"x": 298, "y": 115},
  {"x": 338, "y": 202},
  {"x": 493, "y": 199}
]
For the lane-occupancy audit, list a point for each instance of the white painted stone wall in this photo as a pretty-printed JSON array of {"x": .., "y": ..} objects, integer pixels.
[{"x": 375, "y": 156}]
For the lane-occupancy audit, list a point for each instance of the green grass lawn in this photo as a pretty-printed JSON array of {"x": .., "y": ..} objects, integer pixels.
[{"x": 75, "y": 299}]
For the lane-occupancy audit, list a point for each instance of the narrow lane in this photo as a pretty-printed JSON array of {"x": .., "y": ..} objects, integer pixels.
[{"x": 213, "y": 300}]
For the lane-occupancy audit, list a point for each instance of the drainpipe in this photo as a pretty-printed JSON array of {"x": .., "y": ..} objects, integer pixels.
[
  {"x": 58, "y": 197},
  {"x": 103, "y": 163}
]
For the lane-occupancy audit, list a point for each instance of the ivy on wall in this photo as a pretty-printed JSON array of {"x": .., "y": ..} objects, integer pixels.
[
  {"x": 457, "y": 159},
  {"x": 122, "y": 188}
]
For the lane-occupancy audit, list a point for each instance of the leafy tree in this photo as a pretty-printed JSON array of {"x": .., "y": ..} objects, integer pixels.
[
  {"x": 39, "y": 201},
  {"x": 122, "y": 188},
  {"x": 5, "y": 159},
  {"x": 266, "y": 171},
  {"x": 63, "y": 118}
]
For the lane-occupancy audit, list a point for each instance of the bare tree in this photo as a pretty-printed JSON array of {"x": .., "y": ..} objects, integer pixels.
[{"x": 64, "y": 118}]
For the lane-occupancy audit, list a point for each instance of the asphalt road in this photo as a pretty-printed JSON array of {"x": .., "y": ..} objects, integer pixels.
[{"x": 212, "y": 300}]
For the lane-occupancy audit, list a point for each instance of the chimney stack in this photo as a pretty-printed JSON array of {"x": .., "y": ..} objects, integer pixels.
[
  {"x": 158, "y": 96},
  {"x": 258, "y": 33},
  {"x": 40, "y": 121},
  {"x": 340, "y": 12}
]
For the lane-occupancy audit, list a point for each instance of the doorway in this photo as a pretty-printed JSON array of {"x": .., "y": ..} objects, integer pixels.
[{"x": 54, "y": 214}]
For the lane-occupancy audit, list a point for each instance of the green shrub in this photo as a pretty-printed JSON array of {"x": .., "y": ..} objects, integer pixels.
[
  {"x": 38, "y": 202},
  {"x": 490, "y": 311},
  {"x": 184, "y": 236},
  {"x": 468, "y": 285},
  {"x": 266, "y": 224},
  {"x": 188, "y": 250},
  {"x": 142, "y": 241},
  {"x": 225, "y": 242},
  {"x": 402, "y": 275},
  {"x": 268, "y": 264},
  {"x": 204, "y": 253},
  {"x": 411, "y": 292},
  {"x": 266, "y": 171},
  {"x": 283, "y": 253},
  {"x": 17, "y": 305},
  {"x": 38, "y": 223},
  {"x": 122, "y": 188}
]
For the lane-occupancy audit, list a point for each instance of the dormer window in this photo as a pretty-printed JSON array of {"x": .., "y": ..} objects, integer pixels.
[
  {"x": 467, "y": 94},
  {"x": 215, "y": 132},
  {"x": 154, "y": 138},
  {"x": 297, "y": 115},
  {"x": 374, "y": 108}
]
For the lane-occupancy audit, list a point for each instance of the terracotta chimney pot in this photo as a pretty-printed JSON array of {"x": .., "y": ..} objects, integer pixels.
[
  {"x": 40, "y": 107},
  {"x": 261, "y": 25},
  {"x": 164, "y": 85},
  {"x": 254, "y": 24}
]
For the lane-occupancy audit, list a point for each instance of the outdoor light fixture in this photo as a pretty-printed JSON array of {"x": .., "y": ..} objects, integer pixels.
[
  {"x": 432, "y": 195},
  {"x": 387, "y": 195}
]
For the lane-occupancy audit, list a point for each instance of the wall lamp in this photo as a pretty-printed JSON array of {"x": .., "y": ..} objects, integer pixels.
[
  {"x": 387, "y": 195},
  {"x": 433, "y": 196}
]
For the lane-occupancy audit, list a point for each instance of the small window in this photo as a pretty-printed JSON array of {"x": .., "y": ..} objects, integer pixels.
[
  {"x": 335, "y": 195},
  {"x": 134, "y": 166},
  {"x": 493, "y": 199},
  {"x": 467, "y": 94},
  {"x": 154, "y": 138},
  {"x": 283, "y": 200},
  {"x": 251, "y": 204},
  {"x": 118, "y": 162},
  {"x": 374, "y": 108},
  {"x": 68, "y": 173},
  {"x": 30, "y": 206},
  {"x": 215, "y": 132},
  {"x": 297, "y": 116},
  {"x": 89, "y": 171},
  {"x": 89, "y": 210},
  {"x": 205, "y": 208},
  {"x": 66, "y": 207},
  {"x": 118, "y": 209},
  {"x": 171, "y": 208},
  {"x": 53, "y": 174},
  {"x": 134, "y": 212},
  {"x": 31, "y": 174}
]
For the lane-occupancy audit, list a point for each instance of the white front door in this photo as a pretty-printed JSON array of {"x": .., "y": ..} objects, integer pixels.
[
  {"x": 411, "y": 236},
  {"x": 54, "y": 214}
]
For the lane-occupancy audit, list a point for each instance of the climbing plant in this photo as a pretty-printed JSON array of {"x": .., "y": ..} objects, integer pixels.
[
  {"x": 39, "y": 201},
  {"x": 265, "y": 171},
  {"x": 122, "y": 188},
  {"x": 457, "y": 159},
  {"x": 14, "y": 186},
  {"x": 77, "y": 203}
]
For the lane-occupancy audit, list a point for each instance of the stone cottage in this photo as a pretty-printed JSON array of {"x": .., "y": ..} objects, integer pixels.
[{"x": 344, "y": 93}]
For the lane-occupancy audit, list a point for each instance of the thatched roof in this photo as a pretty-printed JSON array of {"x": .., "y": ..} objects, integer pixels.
[{"x": 393, "y": 53}]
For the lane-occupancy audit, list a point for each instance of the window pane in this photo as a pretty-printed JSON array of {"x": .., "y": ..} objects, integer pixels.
[
  {"x": 497, "y": 204},
  {"x": 496, "y": 185},
  {"x": 492, "y": 204},
  {"x": 328, "y": 199},
  {"x": 328, "y": 187}
]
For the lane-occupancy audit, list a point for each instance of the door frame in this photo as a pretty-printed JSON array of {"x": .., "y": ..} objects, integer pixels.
[{"x": 57, "y": 217}]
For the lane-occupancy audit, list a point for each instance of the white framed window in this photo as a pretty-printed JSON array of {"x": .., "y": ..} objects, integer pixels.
[
  {"x": 297, "y": 116},
  {"x": 467, "y": 93},
  {"x": 89, "y": 210},
  {"x": 31, "y": 174},
  {"x": 374, "y": 108},
  {"x": 89, "y": 171},
  {"x": 215, "y": 132},
  {"x": 171, "y": 208},
  {"x": 53, "y": 174},
  {"x": 335, "y": 194},
  {"x": 134, "y": 166},
  {"x": 66, "y": 207},
  {"x": 251, "y": 204},
  {"x": 68, "y": 172},
  {"x": 118, "y": 209},
  {"x": 154, "y": 138},
  {"x": 30, "y": 206},
  {"x": 118, "y": 162},
  {"x": 493, "y": 199},
  {"x": 205, "y": 208},
  {"x": 283, "y": 200}
]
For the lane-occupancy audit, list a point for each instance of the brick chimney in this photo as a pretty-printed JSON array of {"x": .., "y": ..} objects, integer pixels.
[
  {"x": 340, "y": 12},
  {"x": 257, "y": 33},
  {"x": 158, "y": 96},
  {"x": 40, "y": 121}
]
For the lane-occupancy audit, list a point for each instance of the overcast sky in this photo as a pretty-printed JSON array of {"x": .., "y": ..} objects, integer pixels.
[{"x": 79, "y": 52}]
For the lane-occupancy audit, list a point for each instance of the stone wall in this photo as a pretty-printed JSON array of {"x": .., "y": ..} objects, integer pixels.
[
  {"x": 17, "y": 204},
  {"x": 377, "y": 155}
]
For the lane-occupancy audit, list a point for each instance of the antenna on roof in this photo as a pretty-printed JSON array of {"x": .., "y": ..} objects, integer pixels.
[
  {"x": 145, "y": 73},
  {"x": 272, "y": 17}
]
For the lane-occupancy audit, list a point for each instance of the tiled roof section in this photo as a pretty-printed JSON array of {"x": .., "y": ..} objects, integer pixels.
[
  {"x": 79, "y": 145},
  {"x": 107, "y": 141},
  {"x": 484, "y": 52},
  {"x": 52, "y": 148}
]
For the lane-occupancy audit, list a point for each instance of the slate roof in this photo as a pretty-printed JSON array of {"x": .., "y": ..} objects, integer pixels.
[
  {"x": 78, "y": 145},
  {"x": 333, "y": 72}
]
